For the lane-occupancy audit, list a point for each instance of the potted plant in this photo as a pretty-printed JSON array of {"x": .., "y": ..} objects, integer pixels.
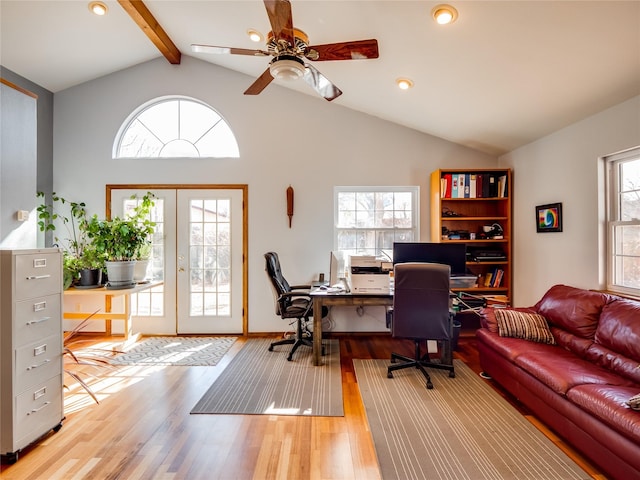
[
  {"x": 81, "y": 261},
  {"x": 120, "y": 241}
]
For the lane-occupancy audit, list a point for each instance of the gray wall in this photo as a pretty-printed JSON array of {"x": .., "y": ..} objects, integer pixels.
[
  {"x": 285, "y": 138},
  {"x": 566, "y": 167},
  {"x": 44, "y": 136}
]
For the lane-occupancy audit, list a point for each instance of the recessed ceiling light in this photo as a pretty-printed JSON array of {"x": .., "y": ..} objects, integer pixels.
[
  {"x": 404, "y": 83},
  {"x": 98, "y": 8},
  {"x": 444, "y": 14},
  {"x": 255, "y": 35}
]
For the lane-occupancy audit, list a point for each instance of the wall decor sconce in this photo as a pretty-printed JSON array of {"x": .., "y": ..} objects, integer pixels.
[{"x": 290, "y": 204}]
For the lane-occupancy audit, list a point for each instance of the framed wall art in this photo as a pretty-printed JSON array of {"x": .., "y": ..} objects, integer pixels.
[{"x": 549, "y": 218}]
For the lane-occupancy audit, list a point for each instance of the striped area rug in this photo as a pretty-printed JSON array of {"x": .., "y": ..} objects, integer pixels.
[
  {"x": 258, "y": 381},
  {"x": 176, "y": 351},
  {"x": 462, "y": 429}
]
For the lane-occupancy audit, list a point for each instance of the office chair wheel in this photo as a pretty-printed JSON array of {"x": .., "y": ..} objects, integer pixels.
[
  {"x": 271, "y": 348},
  {"x": 429, "y": 385},
  {"x": 389, "y": 375},
  {"x": 452, "y": 374}
]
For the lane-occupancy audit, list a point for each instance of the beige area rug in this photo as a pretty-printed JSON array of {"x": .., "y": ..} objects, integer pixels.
[
  {"x": 179, "y": 351},
  {"x": 258, "y": 381},
  {"x": 461, "y": 429}
]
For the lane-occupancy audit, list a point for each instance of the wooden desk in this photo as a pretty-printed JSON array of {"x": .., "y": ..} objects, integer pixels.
[
  {"x": 323, "y": 299},
  {"x": 108, "y": 295}
]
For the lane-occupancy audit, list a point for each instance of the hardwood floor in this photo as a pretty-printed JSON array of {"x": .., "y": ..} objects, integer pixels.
[{"x": 142, "y": 428}]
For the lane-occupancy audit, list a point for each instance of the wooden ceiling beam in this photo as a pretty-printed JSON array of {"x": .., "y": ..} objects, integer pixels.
[{"x": 140, "y": 14}]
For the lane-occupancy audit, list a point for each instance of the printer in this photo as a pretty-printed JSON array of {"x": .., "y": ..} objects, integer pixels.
[{"x": 368, "y": 274}]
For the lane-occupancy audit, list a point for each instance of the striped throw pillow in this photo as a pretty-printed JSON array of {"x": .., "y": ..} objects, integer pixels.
[
  {"x": 529, "y": 326},
  {"x": 634, "y": 402}
]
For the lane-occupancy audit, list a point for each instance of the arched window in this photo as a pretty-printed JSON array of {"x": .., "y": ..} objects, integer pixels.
[{"x": 175, "y": 127}]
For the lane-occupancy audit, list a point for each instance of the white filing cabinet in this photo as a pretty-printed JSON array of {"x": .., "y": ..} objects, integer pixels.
[{"x": 31, "y": 397}]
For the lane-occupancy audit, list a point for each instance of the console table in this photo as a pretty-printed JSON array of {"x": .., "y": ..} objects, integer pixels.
[
  {"x": 108, "y": 295},
  {"x": 322, "y": 298}
]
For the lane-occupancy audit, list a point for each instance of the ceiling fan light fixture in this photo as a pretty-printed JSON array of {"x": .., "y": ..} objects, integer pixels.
[
  {"x": 255, "y": 35},
  {"x": 98, "y": 8},
  {"x": 404, "y": 83},
  {"x": 444, "y": 14},
  {"x": 287, "y": 67}
]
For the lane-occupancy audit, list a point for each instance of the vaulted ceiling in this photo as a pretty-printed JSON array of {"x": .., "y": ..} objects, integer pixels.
[{"x": 504, "y": 74}]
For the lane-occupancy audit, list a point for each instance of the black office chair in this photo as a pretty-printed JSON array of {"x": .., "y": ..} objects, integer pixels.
[
  {"x": 421, "y": 312},
  {"x": 292, "y": 302}
]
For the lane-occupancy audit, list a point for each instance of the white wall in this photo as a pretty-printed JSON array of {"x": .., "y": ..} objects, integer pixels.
[
  {"x": 565, "y": 167},
  {"x": 285, "y": 138}
]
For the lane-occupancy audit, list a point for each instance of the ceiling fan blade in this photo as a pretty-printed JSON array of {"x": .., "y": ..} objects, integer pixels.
[
  {"x": 281, "y": 19},
  {"x": 358, "y": 50},
  {"x": 320, "y": 83},
  {"x": 260, "y": 84},
  {"x": 226, "y": 50}
]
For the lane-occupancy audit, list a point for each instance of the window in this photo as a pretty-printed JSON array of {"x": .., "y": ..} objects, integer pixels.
[
  {"x": 369, "y": 219},
  {"x": 176, "y": 127},
  {"x": 623, "y": 222}
]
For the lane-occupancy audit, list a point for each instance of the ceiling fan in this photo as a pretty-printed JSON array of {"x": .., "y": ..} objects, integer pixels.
[{"x": 289, "y": 48}]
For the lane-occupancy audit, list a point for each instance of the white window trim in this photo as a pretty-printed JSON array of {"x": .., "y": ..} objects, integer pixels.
[
  {"x": 415, "y": 206},
  {"x": 612, "y": 215}
]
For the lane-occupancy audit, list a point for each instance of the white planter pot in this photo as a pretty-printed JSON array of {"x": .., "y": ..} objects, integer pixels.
[
  {"x": 140, "y": 270},
  {"x": 120, "y": 274}
]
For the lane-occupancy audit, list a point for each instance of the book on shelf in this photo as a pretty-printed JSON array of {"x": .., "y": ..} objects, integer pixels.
[
  {"x": 473, "y": 185},
  {"x": 493, "y": 279},
  {"x": 461, "y": 185},
  {"x": 502, "y": 186}
]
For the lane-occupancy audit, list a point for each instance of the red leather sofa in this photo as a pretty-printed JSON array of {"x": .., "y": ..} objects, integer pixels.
[{"x": 579, "y": 386}]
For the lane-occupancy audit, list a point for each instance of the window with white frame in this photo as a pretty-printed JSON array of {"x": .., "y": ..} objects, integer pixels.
[
  {"x": 623, "y": 222},
  {"x": 175, "y": 127},
  {"x": 367, "y": 220}
]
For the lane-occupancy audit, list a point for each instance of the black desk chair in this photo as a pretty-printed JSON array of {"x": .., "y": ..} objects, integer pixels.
[
  {"x": 421, "y": 312},
  {"x": 292, "y": 302}
]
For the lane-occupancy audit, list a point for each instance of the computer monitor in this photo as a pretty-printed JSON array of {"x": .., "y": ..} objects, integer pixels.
[
  {"x": 452, "y": 254},
  {"x": 336, "y": 267}
]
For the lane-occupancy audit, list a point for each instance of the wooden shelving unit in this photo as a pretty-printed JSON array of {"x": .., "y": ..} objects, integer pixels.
[{"x": 470, "y": 214}]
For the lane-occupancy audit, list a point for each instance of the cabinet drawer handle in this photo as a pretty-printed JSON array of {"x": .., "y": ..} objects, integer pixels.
[
  {"x": 38, "y": 277},
  {"x": 36, "y": 410},
  {"x": 43, "y": 319},
  {"x": 33, "y": 367}
]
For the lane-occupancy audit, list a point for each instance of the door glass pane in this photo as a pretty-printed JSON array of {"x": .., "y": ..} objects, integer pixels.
[
  {"x": 210, "y": 261},
  {"x": 150, "y": 303}
]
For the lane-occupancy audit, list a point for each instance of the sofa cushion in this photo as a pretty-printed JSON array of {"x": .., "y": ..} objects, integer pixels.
[
  {"x": 608, "y": 404},
  {"x": 619, "y": 328},
  {"x": 528, "y": 326},
  {"x": 574, "y": 343},
  {"x": 511, "y": 348},
  {"x": 573, "y": 309},
  {"x": 562, "y": 370}
]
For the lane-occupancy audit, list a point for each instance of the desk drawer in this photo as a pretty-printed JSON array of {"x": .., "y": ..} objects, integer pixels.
[
  {"x": 37, "y": 274},
  {"x": 37, "y": 318},
  {"x": 37, "y": 410},
  {"x": 38, "y": 361}
]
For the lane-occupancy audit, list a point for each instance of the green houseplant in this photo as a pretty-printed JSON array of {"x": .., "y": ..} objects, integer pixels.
[
  {"x": 79, "y": 253},
  {"x": 120, "y": 240}
]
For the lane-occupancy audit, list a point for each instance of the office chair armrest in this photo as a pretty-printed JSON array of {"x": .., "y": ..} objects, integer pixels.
[
  {"x": 292, "y": 295},
  {"x": 301, "y": 287}
]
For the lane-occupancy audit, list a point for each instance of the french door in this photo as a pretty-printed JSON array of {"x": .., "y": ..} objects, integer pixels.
[{"x": 198, "y": 253}]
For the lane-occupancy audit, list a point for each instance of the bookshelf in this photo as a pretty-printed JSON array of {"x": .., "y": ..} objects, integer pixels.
[{"x": 459, "y": 216}]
